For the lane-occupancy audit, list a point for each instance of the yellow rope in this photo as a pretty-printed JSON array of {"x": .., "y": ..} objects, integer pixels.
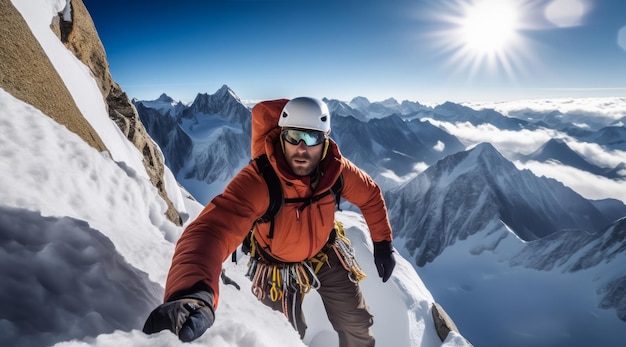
[
  {"x": 278, "y": 281},
  {"x": 345, "y": 253},
  {"x": 319, "y": 260}
]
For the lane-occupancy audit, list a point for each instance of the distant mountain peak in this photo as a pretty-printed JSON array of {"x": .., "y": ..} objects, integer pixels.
[
  {"x": 486, "y": 150},
  {"x": 224, "y": 95},
  {"x": 550, "y": 149},
  {"x": 226, "y": 91},
  {"x": 556, "y": 142},
  {"x": 485, "y": 147},
  {"x": 165, "y": 98},
  {"x": 359, "y": 102},
  {"x": 390, "y": 102},
  {"x": 223, "y": 103}
]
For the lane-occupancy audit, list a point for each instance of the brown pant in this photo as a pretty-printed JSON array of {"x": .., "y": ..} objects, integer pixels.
[{"x": 343, "y": 300}]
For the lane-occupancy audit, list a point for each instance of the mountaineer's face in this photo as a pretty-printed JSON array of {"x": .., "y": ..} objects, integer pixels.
[{"x": 303, "y": 150}]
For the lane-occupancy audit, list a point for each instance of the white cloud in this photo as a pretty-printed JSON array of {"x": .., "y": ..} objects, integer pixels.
[
  {"x": 440, "y": 146},
  {"x": 509, "y": 143},
  {"x": 611, "y": 109},
  {"x": 584, "y": 183},
  {"x": 597, "y": 155},
  {"x": 506, "y": 141}
]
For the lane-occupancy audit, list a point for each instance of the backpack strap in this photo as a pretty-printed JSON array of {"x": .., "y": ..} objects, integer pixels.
[
  {"x": 274, "y": 188},
  {"x": 277, "y": 200},
  {"x": 276, "y": 193},
  {"x": 336, "y": 189}
]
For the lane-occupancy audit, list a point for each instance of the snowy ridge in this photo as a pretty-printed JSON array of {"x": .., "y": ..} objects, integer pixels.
[
  {"x": 164, "y": 104},
  {"x": 582, "y": 252},
  {"x": 381, "y": 109},
  {"x": 452, "y": 112}
]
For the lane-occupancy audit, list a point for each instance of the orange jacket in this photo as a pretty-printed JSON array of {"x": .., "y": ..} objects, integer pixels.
[{"x": 298, "y": 235}]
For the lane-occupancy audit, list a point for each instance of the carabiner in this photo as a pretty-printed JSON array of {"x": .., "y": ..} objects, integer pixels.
[{"x": 275, "y": 292}]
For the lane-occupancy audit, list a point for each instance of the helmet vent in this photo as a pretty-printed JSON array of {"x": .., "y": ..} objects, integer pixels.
[{"x": 305, "y": 113}]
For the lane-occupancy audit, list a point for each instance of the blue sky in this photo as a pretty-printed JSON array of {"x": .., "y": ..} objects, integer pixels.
[{"x": 426, "y": 51}]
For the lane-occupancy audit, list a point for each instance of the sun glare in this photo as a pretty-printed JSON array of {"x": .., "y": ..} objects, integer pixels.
[
  {"x": 488, "y": 26},
  {"x": 482, "y": 35}
]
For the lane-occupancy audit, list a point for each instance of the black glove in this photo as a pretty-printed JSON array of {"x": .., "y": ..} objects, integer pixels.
[
  {"x": 384, "y": 259},
  {"x": 187, "y": 316}
]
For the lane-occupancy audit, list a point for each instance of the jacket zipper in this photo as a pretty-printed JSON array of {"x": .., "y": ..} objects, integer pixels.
[
  {"x": 310, "y": 234},
  {"x": 319, "y": 211}
]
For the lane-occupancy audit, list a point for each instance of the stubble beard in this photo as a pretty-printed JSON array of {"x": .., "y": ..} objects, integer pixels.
[{"x": 299, "y": 168}]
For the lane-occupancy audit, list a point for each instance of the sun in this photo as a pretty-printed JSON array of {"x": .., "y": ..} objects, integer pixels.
[
  {"x": 482, "y": 35},
  {"x": 488, "y": 26}
]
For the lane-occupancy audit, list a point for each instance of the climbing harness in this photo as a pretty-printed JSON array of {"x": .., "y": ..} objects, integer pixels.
[
  {"x": 284, "y": 281},
  {"x": 277, "y": 280}
]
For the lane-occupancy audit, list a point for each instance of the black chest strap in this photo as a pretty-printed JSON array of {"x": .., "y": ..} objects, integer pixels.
[{"x": 276, "y": 194}]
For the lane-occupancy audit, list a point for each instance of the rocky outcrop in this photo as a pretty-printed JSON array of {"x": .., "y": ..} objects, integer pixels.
[
  {"x": 443, "y": 323},
  {"x": 27, "y": 74},
  {"x": 80, "y": 36}
]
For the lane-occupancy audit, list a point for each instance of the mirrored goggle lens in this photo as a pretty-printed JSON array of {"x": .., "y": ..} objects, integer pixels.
[{"x": 309, "y": 137}]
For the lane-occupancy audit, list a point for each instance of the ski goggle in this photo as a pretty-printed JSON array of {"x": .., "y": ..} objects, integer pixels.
[{"x": 309, "y": 137}]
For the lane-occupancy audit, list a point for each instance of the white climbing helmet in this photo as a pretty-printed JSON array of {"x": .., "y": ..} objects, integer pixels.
[{"x": 305, "y": 113}]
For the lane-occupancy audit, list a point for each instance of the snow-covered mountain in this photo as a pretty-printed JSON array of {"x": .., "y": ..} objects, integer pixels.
[
  {"x": 85, "y": 249},
  {"x": 558, "y": 150},
  {"x": 451, "y": 112},
  {"x": 223, "y": 102},
  {"x": 207, "y": 141},
  {"x": 478, "y": 208},
  {"x": 85, "y": 244},
  {"x": 381, "y": 109},
  {"x": 573, "y": 251},
  {"x": 470, "y": 191},
  {"x": 165, "y": 104},
  {"x": 388, "y": 144},
  {"x": 575, "y": 119},
  {"x": 613, "y": 137},
  {"x": 174, "y": 142}
]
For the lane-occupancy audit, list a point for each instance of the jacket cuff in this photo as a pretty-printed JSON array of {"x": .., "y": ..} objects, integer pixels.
[
  {"x": 199, "y": 291},
  {"x": 383, "y": 248}
]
